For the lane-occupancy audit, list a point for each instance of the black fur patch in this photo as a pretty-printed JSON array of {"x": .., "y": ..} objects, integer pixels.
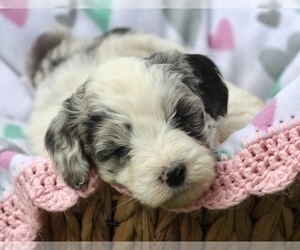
[
  {"x": 189, "y": 119},
  {"x": 91, "y": 125},
  {"x": 106, "y": 139},
  {"x": 210, "y": 86},
  {"x": 201, "y": 75}
]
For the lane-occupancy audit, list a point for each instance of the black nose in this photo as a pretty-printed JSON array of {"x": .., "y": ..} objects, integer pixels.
[{"x": 174, "y": 175}]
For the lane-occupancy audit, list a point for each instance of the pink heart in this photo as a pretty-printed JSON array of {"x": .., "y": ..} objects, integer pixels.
[
  {"x": 266, "y": 117},
  {"x": 16, "y": 11},
  {"x": 5, "y": 158},
  {"x": 222, "y": 39}
]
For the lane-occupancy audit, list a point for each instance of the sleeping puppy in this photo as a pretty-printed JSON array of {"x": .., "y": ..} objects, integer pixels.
[{"x": 147, "y": 115}]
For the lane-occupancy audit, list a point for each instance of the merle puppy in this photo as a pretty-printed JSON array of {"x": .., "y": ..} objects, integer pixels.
[{"x": 145, "y": 113}]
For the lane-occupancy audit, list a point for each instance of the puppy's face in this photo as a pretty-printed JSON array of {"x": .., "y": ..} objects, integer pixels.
[{"x": 148, "y": 125}]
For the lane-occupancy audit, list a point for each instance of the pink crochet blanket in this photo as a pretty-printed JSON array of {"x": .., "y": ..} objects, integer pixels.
[
  {"x": 261, "y": 158},
  {"x": 267, "y": 161}
]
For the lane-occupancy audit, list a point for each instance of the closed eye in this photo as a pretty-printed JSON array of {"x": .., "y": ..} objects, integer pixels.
[
  {"x": 120, "y": 151},
  {"x": 107, "y": 154},
  {"x": 192, "y": 123},
  {"x": 179, "y": 119}
]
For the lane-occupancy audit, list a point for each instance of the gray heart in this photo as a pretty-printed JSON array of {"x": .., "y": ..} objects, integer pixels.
[
  {"x": 186, "y": 22},
  {"x": 275, "y": 61},
  {"x": 270, "y": 18},
  {"x": 67, "y": 19},
  {"x": 271, "y": 5}
]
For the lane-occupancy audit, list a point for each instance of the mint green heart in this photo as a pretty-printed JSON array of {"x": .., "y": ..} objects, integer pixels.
[
  {"x": 223, "y": 152},
  {"x": 298, "y": 9},
  {"x": 275, "y": 89},
  {"x": 13, "y": 132},
  {"x": 99, "y": 11}
]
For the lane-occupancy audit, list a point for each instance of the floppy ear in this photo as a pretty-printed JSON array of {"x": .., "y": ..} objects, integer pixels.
[
  {"x": 210, "y": 85},
  {"x": 63, "y": 142},
  {"x": 201, "y": 75}
]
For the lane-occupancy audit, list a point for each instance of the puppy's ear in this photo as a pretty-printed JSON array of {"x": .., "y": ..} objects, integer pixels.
[
  {"x": 209, "y": 85},
  {"x": 63, "y": 141},
  {"x": 201, "y": 75}
]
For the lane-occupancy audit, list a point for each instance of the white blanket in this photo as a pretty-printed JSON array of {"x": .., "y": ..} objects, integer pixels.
[{"x": 256, "y": 49}]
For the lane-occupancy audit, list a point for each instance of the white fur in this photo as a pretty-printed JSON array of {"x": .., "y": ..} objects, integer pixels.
[
  {"x": 154, "y": 143},
  {"x": 136, "y": 92}
]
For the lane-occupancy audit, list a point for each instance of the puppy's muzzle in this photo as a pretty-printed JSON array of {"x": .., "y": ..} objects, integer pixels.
[{"x": 174, "y": 176}]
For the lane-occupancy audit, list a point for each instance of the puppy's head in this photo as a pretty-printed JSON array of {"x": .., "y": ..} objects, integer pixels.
[{"x": 148, "y": 125}]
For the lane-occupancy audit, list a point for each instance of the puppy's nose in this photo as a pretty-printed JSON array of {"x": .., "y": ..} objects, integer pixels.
[{"x": 174, "y": 175}]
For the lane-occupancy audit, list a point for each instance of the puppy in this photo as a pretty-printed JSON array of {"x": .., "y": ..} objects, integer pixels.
[{"x": 147, "y": 115}]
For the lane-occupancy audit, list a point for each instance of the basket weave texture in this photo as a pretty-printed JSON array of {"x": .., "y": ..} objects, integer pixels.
[{"x": 109, "y": 216}]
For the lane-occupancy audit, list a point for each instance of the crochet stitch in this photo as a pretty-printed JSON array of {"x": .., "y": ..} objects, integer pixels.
[
  {"x": 261, "y": 158},
  {"x": 268, "y": 162},
  {"x": 37, "y": 187},
  {"x": 267, "y": 166}
]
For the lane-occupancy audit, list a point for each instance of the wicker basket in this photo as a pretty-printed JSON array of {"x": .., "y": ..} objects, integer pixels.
[{"x": 109, "y": 216}]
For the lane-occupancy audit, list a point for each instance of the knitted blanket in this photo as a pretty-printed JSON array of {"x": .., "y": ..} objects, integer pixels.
[{"x": 262, "y": 158}]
